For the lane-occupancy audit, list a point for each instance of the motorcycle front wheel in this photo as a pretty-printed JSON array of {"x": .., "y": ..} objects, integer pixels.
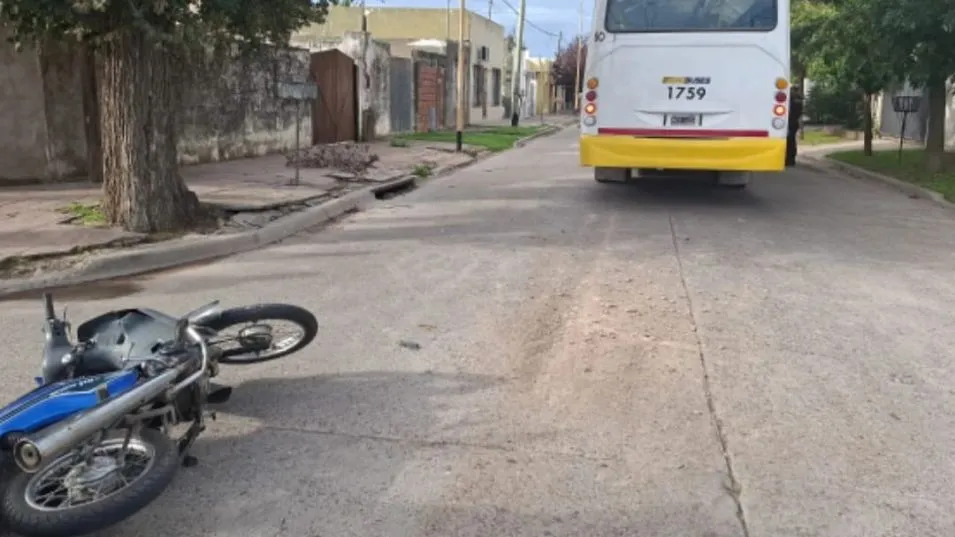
[
  {"x": 260, "y": 332},
  {"x": 65, "y": 498}
]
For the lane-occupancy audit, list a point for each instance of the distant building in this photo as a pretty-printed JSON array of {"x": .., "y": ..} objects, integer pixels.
[
  {"x": 432, "y": 30},
  {"x": 548, "y": 97}
]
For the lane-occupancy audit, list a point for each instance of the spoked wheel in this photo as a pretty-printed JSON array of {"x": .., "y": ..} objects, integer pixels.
[
  {"x": 78, "y": 495},
  {"x": 262, "y": 332}
]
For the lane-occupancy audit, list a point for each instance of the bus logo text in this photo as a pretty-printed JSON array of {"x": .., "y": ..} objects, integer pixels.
[{"x": 698, "y": 80}]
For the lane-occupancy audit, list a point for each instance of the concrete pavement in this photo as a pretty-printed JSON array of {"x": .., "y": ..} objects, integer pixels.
[
  {"x": 595, "y": 360},
  {"x": 34, "y": 222}
]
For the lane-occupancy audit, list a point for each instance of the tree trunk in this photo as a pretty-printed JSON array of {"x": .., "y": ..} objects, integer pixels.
[
  {"x": 867, "y": 124},
  {"x": 935, "y": 137},
  {"x": 139, "y": 89},
  {"x": 801, "y": 80},
  {"x": 91, "y": 117}
]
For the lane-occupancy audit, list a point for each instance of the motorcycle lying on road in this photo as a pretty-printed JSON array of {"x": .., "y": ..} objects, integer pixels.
[{"x": 94, "y": 443}]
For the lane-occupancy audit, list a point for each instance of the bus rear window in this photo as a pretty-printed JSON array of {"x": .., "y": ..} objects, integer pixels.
[{"x": 691, "y": 15}]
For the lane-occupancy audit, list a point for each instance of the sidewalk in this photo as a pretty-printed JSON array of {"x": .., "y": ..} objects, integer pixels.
[
  {"x": 820, "y": 151},
  {"x": 34, "y": 220},
  {"x": 547, "y": 119}
]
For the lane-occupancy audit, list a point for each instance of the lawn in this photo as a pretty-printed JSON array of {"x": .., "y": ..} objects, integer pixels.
[
  {"x": 817, "y": 137},
  {"x": 492, "y": 139},
  {"x": 911, "y": 169},
  {"x": 87, "y": 214}
]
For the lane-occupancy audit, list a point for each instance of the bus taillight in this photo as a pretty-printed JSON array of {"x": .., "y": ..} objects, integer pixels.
[
  {"x": 781, "y": 97},
  {"x": 781, "y": 84},
  {"x": 779, "y": 110},
  {"x": 590, "y": 109}
]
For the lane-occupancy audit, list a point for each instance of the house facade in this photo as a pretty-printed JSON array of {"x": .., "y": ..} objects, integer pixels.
[{"x": 406, "y": 30}]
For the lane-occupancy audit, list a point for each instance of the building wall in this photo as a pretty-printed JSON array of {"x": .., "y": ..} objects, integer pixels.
[
  {"x": 400, "y": 26},
  {"x": 64, "y": 109},
  {"x": 41, "y": 112},
  {"x": 23, "y": 135},
  {"x": 429, "y": 83},
  {"x": 916, "y": 127},
  {"x": 388, "y": 24},
  {"x": 374, "y": 72},
  {"x": 540, "y": 68},
  {"x": 229, "y": 110}
]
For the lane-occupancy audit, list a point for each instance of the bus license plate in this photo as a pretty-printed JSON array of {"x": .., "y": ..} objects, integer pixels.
[{"x": 683, "y": 121}]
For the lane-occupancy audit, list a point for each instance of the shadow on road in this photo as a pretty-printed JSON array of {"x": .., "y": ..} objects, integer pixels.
[
  {"x": 349, "y": 455},
  {"x": 318, "y": 450}
]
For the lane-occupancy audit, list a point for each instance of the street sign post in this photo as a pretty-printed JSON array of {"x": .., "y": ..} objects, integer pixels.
[
  {"x": 298, "y": 92},
  {"x": 905, "y": 105}
]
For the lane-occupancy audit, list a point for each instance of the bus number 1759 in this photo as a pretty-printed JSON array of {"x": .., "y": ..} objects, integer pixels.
[{"x": 689, "y": 93}]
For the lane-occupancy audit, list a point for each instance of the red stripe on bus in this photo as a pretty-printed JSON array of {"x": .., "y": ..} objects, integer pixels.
[{"x": 685, "y": 133}]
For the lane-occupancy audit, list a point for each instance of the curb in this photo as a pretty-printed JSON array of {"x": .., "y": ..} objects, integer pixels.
[
  {"x": 546, "y": 131},
  {"x": 165, "y": 255},
  {"x": 826, "y": 165}
]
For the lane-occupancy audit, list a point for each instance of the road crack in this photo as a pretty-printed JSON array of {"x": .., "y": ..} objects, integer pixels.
[{"x": 734, "y": 488}]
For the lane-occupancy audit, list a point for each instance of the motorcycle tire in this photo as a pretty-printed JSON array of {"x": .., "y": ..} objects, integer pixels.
[
  {"x": 18, "y": 515},
  {"x": 261, "y": 313}
]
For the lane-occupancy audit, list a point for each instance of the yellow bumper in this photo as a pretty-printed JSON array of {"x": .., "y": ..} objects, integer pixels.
[{"x": 729, "y": 154}]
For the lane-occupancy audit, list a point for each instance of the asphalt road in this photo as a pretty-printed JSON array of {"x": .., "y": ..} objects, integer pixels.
[{"x": 595, "y": 360}]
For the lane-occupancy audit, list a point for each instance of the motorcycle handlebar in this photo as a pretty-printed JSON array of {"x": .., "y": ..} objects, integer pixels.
[{"x": 48, "y": 306}]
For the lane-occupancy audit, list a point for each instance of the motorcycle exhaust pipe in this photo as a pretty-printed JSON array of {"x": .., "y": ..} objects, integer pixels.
[{"x": 32, "y": 451}]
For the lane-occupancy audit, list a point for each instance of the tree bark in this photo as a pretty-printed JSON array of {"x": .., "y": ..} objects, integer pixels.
[
  {"x": 139, "y": 89},
  {"x": 867, "y": 124},
  {"x": 935, "y": 137},
  {"x": 801, "y": 80}
]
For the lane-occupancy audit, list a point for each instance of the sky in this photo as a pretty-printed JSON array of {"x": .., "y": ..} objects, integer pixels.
[{"x": 546, "y": 19}]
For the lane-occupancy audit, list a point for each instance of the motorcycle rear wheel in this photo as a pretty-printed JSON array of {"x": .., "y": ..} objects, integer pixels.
[
  {"x": 258, "y": 317},
  {"x": 37, "y": 505}
]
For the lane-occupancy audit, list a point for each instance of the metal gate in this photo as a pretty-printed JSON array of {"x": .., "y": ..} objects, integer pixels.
[{"x": 402, "y": 91}]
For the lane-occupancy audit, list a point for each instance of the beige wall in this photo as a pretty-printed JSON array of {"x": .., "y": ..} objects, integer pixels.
[
  {"x": 540, "y": 68},
  {"x": 398, "y": 26},
  {"x": 389, "y": 24},
  {"x": 23, "y": 135}
]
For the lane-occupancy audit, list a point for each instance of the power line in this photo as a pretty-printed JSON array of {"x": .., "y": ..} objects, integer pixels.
[{"x": 529, "y": 23}]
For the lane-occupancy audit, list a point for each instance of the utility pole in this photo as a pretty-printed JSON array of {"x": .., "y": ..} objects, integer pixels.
[
  {"x": 560, "y": 44},
  {"x": 518, "y": 63},
  {"x": 363, "y": 124},
  {"x": 460, "y": 81},
  {"x": 449, "y": 21},
  {"x": 580, "y": 49},
  {"x": 485, "y": 71}
]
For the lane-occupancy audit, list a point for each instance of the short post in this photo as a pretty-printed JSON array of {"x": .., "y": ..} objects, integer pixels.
[
  {"x": 298, "y": 142},
  {"x": 298, "y": 92},
  {"x": 905, "y": 105}
]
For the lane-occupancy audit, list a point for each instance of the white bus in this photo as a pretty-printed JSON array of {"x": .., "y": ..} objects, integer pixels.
[{"x": 686, "y": 85}]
